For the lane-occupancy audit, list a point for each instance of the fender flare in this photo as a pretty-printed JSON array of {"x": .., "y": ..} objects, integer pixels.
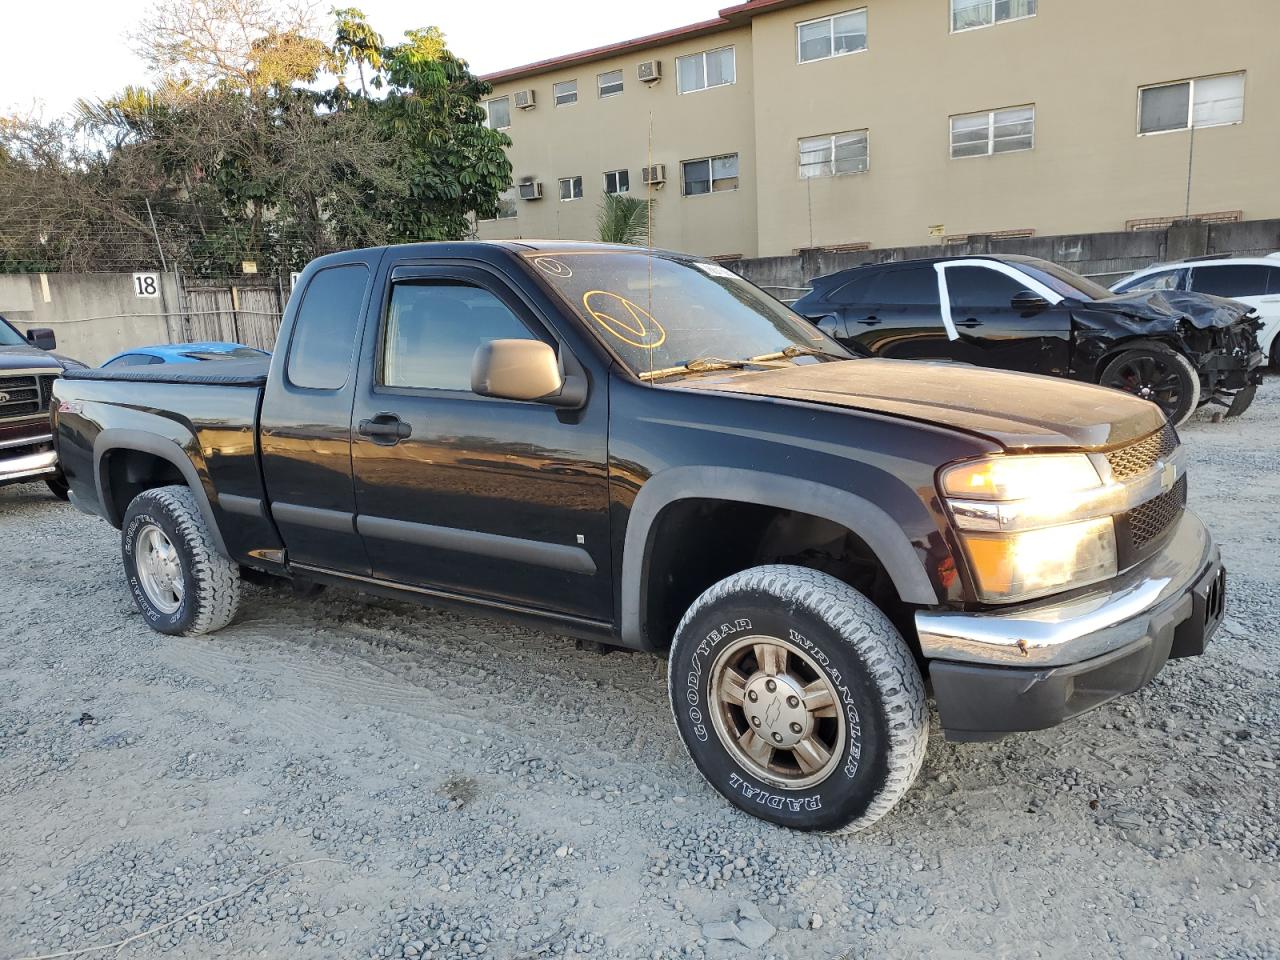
[
  {"x": 877, "y": 529},
  {"x": 117, "y": 438}
]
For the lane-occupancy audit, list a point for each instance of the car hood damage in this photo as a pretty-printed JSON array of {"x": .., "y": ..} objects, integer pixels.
[
  {"x": 1160, "y": 311},
  {"x": 1019, "y": 411}
]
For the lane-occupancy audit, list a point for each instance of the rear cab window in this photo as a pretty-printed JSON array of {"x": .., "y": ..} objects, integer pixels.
[{"x": 325, "y": 329}]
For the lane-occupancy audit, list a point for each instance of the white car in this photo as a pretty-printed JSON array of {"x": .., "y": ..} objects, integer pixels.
[{"x": 1251, "y": 280}]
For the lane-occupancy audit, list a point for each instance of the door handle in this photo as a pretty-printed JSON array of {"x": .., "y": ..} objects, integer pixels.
[
  {"x": 386, "y": 429},
  {"x": 869, "y": 321},
  {"x": 970, "y": 322}
]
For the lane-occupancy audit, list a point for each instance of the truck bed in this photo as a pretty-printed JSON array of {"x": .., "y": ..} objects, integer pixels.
[{"x": 226, "y": 373}]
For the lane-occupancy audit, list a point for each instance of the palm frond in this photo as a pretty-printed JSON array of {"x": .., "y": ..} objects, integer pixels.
[{"x": 623, "y": 219}]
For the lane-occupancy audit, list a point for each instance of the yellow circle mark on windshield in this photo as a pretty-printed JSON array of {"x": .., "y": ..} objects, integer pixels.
[
  {"x": 624, "y": 319},
  {"x": 556, "y": 268}
]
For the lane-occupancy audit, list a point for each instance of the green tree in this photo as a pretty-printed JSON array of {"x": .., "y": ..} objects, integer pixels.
[{"x": 623, "y": 219}]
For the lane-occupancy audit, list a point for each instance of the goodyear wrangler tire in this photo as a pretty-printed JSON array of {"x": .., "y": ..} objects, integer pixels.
[
  {"x": 797, "y": 699},
  {"x": 179, "y": 581}
]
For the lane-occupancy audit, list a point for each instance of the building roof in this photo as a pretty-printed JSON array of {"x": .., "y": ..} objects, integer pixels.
[{"x": 728, "y": 18}]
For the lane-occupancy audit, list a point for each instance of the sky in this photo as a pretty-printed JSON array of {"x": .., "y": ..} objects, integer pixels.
[{"x": 57, "y": 51}]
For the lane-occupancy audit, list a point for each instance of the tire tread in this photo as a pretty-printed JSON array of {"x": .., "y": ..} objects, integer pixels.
[{"x": 858, "y": 622}]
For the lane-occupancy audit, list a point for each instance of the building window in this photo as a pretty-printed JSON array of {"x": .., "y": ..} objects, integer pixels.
[
  {"x": 498, "y": 113},
  {"x": 1203, "y": 102},
  {"x": 998, "y": 131},
  {"x": 831, "y": 36},
  {"x": 833, "y": 154},
  {"x": 710, "y": 174},
  {"x": 565, "y": 92},
  {"x": 506, "y": 206},
  {"x": 610, "y": 83},
  {"x": 571, "y": 188},
  {"x": 711, "y": 68},
  {"x": 968, "y": 14},
  {"x": 617, "y": 181}
]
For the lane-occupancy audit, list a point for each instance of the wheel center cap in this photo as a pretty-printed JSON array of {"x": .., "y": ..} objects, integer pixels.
[{"x": 774, "y": 706}]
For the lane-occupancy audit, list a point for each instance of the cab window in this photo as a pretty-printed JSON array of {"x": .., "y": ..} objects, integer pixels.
[
  {"x": 434, "y": 329},
  {"x": 324, "y": 331}
]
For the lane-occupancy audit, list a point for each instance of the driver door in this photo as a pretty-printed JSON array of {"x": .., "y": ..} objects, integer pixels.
[
  {"x": 993, "y": 332},
  {"x": 501, "y": 500}
]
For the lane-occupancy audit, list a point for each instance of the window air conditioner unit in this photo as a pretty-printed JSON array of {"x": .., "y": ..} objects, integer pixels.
[
  {"x": 525, "y": 100},
  {"x": 650, "y": 71},
  {"x": 655, "y": 175},
  {"x": 530, "y": 189}
]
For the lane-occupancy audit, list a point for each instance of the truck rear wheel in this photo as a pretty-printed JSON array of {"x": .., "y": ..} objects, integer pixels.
[
  {"x": 179, "y": 581},
  {"x": 798, "y": 699}
]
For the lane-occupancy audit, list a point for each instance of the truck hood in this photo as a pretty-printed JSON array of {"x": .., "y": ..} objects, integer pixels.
[
  {"x": 1017, "y": 410},
  {"x": 24, "y": 357}
]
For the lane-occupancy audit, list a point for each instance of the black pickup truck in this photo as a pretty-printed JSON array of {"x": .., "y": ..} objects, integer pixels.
[
  {"x": 640, "y": 449},
  {"x": 28, "y": 367}
]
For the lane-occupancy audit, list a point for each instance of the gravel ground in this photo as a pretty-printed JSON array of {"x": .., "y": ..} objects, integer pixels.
[{"x": 350, "y": 777}]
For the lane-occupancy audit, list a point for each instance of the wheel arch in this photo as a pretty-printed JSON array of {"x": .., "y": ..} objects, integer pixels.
[
  {"x": 869, "y": 523},
  {"x": 151, "y": 461}
]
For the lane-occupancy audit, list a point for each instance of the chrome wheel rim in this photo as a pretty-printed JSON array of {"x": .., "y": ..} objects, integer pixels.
[
  {"x": 159, "y": 569},
  {"x": 776, "y": 712}
]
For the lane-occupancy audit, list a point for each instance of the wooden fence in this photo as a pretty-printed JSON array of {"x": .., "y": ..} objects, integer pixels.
[{"x": 247, "y": 313}]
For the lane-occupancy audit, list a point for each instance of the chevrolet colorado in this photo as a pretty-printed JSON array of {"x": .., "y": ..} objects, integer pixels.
[{"x": 641, "y": 449}]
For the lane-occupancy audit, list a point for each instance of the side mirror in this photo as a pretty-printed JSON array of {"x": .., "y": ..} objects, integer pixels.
[
  {"x": 524, "y": 370},
  {"x": 42, "y": 337},
  {"x": 1024, "y": 301}
]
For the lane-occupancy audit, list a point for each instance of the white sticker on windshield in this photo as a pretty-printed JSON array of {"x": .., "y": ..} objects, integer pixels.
[{"x": 714, "y": 269}]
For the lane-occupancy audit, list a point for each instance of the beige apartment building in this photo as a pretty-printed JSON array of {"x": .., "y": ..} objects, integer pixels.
[{"x": 782, "y": 125}]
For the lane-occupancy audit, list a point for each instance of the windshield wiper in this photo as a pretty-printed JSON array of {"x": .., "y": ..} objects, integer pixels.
[
  {"x": 704, "y": 364},
  {"x": 700, "y": 365},
  {"x": 790, "y": 352}
]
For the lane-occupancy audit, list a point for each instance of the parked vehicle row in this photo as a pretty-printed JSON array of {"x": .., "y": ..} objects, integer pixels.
[
  {"x": 641, "y": 449},
  {"x": 1180, "y": 350}
]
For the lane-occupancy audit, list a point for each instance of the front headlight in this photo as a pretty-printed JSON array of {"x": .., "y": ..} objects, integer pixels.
[{"x": 1033, "y": 525}]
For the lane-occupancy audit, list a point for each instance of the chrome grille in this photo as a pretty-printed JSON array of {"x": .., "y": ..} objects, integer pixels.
[
  {"x": 22, "y": 396},
  {"x": 1149, "y": 520},
  {"x": 1137, "y": 458}
]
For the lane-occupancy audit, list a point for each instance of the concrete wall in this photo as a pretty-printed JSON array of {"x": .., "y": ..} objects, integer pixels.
[
  {"x": 93, "y": 315},
  {"x": 1106, "y": 257}
]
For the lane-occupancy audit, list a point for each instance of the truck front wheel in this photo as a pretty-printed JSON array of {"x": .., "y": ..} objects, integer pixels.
[
  {"x": 798, "y": 699},
  {"x": 179, "y": 581}
]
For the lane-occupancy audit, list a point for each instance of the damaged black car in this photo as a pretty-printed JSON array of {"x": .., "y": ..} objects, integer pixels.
[{"x": 1179, "y": 350}]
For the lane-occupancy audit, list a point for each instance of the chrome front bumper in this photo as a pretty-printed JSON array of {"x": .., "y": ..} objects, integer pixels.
[
  {"x": 1060, "y": 632},
  {"x": 29, "y": 466}
]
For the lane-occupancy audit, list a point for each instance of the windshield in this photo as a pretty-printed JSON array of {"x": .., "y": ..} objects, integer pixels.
[
  {"x": 657, "y": 313},
  {"x": 9, "y": 337},
  {"x": 1064, "y": 281}
]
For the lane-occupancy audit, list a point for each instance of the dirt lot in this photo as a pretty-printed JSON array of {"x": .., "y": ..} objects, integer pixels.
[{"x": 350, "y": 777}]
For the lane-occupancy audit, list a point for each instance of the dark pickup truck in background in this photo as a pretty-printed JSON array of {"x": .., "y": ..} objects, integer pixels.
[
  {"x": 1178, "y": 350},
  {"x": 28, "y": 367},
  {"x": 641, "y": 449}
]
